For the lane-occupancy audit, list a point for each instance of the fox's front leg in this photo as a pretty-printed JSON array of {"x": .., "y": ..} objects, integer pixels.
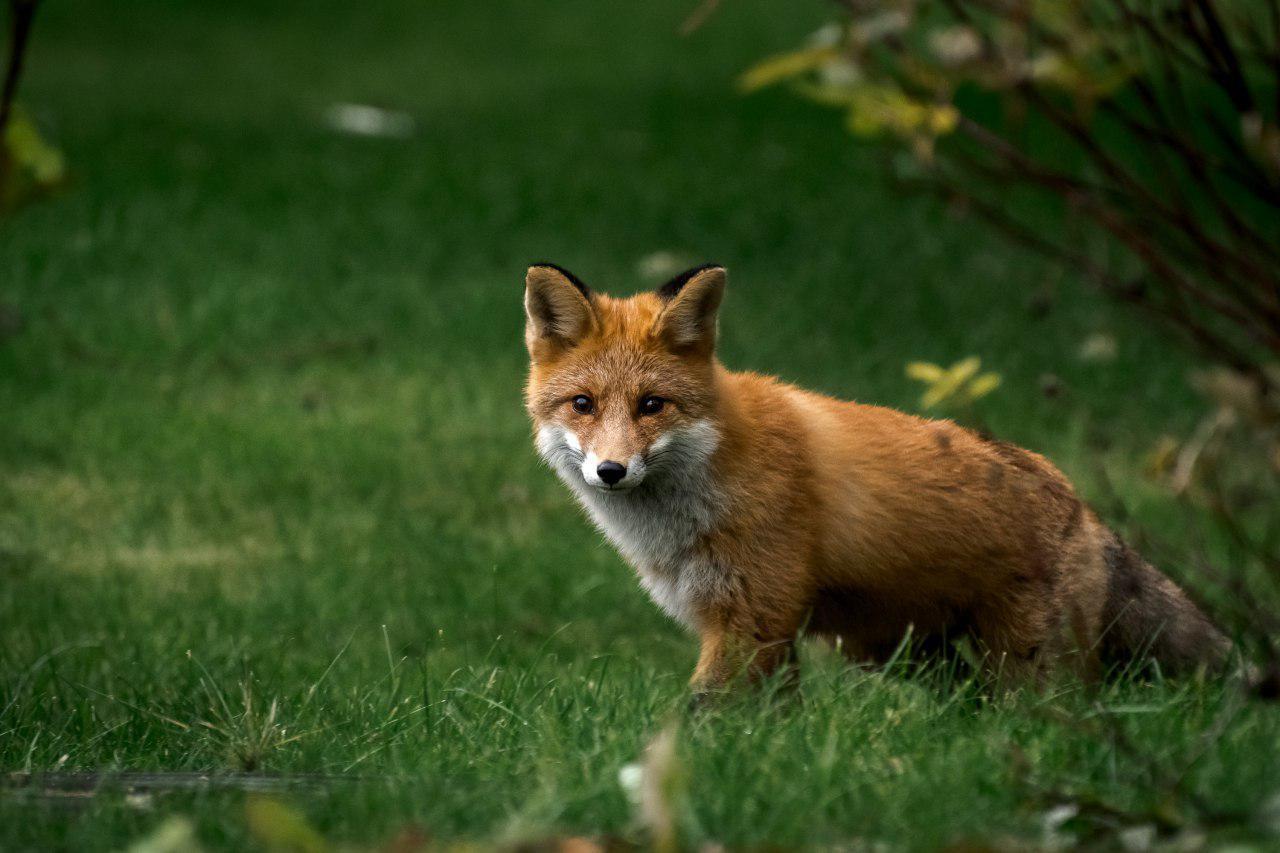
[{"x": 729, "y": 652}]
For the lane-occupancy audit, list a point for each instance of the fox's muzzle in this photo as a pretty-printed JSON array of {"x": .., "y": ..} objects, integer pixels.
[{"x": 611, "y": 474}]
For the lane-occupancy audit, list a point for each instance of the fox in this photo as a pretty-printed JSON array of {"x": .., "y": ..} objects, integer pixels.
[{"x": 754, "y": 511}]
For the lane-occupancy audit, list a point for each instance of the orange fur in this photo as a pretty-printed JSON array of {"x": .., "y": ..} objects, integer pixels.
[{"x": 787, "y": 509}]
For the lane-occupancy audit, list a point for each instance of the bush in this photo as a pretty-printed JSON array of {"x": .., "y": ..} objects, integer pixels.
[{"x": 1134, "y": 141}]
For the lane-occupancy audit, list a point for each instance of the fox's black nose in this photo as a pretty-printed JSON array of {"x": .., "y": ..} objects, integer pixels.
[{"x": 611, "y": 472}]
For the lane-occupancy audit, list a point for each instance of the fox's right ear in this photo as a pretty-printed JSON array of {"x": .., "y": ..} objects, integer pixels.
[
  {"x": 691, "y": 302},
  {"x": 558, "y": 309}
]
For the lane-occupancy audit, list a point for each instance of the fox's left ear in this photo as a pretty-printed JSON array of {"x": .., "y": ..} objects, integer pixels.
[
  {"x": 688, "y": 322},
  {"x": 557, "y": 307}
]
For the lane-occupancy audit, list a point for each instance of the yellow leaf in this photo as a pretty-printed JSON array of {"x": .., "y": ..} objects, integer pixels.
[
  {"x": 965, "y": 368},
  {"x": 923, "y": 371},
  {"x": 280, "y": 828},
  {"x": 947, "y": 385},
  {"x": 863, "y": 122},
  {"x": 177, "y": 834},
  {"x": 783, "y": 66},
  {"x": 30, "y": 152},
  {"x": 935, "y": 395},
  {"x": 943, "y": 119},
  {"x": 982, "y": 386},
  {"x": 876, "y": 106}
]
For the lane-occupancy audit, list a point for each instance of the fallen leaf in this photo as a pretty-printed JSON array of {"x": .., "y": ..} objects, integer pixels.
[
  {"x": 1098, "y": 347},
  {"x": 281, "y": 828},
  {"x": 176, "y": 834},
  {"x": 367, "y": 120}
]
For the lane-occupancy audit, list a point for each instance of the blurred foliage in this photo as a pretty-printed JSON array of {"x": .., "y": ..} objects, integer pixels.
[
  {"x": 30, "y": 167},
  {"x": 1151, "y": 123},
  {"x": 960, "y": 384},
  {"x": 1150, "y": 128},
  {"x": 278, "y": 827},
  {"x": 176, "y": 834},
  {"x": 1230, "y": 466}
]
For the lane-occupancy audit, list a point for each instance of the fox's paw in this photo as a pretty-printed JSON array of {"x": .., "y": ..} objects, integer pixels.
[{"x": 699, "y": 701}]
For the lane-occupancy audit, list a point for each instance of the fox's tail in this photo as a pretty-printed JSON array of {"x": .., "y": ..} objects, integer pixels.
[{"x": 1146, "y": 615}]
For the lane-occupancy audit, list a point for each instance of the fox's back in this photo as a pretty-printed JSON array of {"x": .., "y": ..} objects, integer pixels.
[{"x": 897, "y": 501}]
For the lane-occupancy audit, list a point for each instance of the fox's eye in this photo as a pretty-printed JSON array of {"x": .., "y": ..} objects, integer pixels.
[
  {"x": 651, "y": 405},
  {"x": 582, "y": 404}
]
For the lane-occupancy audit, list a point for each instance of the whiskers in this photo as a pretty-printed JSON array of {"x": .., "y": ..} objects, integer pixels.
[
  {"x": 685, "y": 455},
  {"x": 564, "y": 456},
  {"x": 554, "y": 448},
  {"x": 656, "y": 459}
]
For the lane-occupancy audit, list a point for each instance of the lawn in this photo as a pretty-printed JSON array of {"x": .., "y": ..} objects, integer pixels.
[{"x": 268, "y": 500}]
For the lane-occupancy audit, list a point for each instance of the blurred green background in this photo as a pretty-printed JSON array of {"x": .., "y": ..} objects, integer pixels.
[{"x": 262, "y": 438}]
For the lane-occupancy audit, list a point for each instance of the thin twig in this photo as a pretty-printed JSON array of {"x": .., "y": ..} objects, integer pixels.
[
  {"x": 698, "y": 17},
  {"x": 21, "y": 12}
]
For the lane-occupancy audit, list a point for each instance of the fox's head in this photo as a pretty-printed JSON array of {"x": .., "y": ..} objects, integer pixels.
[{"x": 622, "y": 391}]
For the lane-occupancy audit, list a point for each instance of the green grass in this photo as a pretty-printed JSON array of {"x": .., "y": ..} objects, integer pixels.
[{"x": 267, "y": 494}]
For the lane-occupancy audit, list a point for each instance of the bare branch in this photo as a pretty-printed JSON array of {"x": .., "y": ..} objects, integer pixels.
[{"x": 21, "y": 13}]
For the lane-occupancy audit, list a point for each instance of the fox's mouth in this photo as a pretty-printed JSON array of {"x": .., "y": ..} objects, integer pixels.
[{"x": 616, "y": 488}]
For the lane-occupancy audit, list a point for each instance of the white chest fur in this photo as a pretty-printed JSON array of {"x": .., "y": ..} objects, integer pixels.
[
  {"x": 657, "y": 531},
  {"x": 658, "y": 525}
]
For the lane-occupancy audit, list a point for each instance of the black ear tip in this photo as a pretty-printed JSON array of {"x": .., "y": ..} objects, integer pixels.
[
  {"x": 573, "y": 279},
  {"x": 671, "y": 288}
]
